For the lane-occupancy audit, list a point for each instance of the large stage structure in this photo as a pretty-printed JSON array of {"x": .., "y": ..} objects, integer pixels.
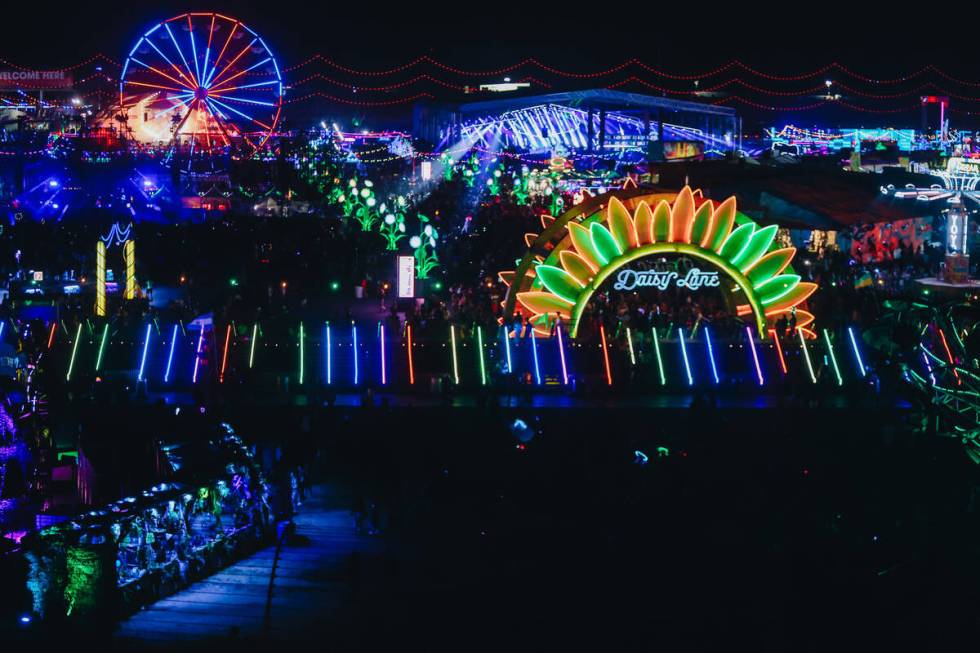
[{"x": 600, "y": 122}]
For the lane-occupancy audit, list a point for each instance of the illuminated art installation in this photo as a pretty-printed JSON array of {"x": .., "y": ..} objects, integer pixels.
[
  {"x": 116, "y": 236},
  {"x": 599, "y": 237},
  {"x": 203, "y": 81}
]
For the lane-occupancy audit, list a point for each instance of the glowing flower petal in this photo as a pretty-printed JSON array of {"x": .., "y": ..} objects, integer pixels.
[
  {"x": 576, "y": 266},
  {"x": 582, "y": 240},
  {"x": 681, "y": 216},
  {"x": 761, "y": 240},
  {"x": 545, "y": 302},
  {"x": 721, "y": 225},
  {"x": 560, "y": 282},
  {"x": 661, "y": 222},
  {"x": 737, "y": 242},
  {"x": 769, "y": 265},
  {"x": 529, "y": 238},
  {"x": 604, "y": 243},
  {"x": 794, "y": 297},
  {"x": 621, "y": 225},
  {"x": 643, "y": 220},
  {"x": 701, "y": 223},
  {"x": 546, "y": 220},
  {"x": 776, "y": 288}
]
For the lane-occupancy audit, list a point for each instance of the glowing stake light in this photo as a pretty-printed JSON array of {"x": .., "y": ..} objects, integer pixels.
[
  {"x": 806, "y": 356},
  {"x": 329, "y": 355},
  {"x": 755, "y": 355},
  {"x": 833, "y": 358},
  {"x": 2, "y": 325},
  {"x": 687, "y": 365},
  {"x": 170, "y": 357},
  {"x": 452, "y": 337},
  {"x": 98, "y": 359},
  {"x": 857, "y": 352},
  {"x": 411, "y": 365},
  {"x": 251, "y": 349},
  {"x": 949, "y": 355},
  {"x": 605, "y": 353},
  {"x": 197, "y": 354},
  {"x": 479, "y": 346},
  {"x": 711, "y": 355},
  {"x": 384, "y": 372},
  {"x": 534, "y": 354},
  {"x": 561, "y": 351},
  {"x": 629, "y": 341},
  {"x": 54, "y": 325},
  {"x": 507, "y": 349},
  {"x": 357, "y": 371},
  {"x": 302, "y": 363},
  {"x": 74, "y": 350},
  {"x": 224, "y": 355},
  {"x": 660, "y": 361},
  {"x": 779, "y": 350},
  {"x": 146, "y": 345}
]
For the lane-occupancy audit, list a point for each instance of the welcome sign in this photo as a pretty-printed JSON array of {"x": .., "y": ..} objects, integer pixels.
[{"x": 694, "y": 279}]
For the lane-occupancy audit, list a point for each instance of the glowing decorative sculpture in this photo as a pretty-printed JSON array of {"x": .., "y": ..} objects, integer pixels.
[{"x": 597, "y": 238}]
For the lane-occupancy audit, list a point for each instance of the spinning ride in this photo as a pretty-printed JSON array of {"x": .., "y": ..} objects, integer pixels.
[{"x": 199, "y": 87}]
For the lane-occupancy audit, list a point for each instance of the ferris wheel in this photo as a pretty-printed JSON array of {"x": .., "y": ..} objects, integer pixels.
[{"x": 200, "y": 84}]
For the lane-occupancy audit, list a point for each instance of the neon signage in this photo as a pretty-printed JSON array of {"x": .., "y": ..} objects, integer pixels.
[{"x": 629, "y": 279}]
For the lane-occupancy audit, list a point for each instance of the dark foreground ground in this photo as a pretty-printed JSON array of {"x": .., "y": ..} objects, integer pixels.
[{"x": 770, "y": 529}]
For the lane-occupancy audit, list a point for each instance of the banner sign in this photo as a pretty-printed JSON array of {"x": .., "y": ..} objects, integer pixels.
[
  {"x": 629, "y": 279},
  {"x": 38, "y": 79},
  {"x": 406, "y": 276}
]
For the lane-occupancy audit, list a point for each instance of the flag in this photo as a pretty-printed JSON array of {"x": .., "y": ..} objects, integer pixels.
[{"x": 864, "y": 281}]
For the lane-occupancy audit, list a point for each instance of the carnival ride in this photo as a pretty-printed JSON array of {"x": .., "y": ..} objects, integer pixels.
[{"x": 201, "y": 87}]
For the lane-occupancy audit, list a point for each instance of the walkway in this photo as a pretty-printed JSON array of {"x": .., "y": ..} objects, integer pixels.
[{"x": 311, "y": 587}]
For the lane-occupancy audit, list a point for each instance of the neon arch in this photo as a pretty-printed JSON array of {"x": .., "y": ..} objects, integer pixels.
[{"x": 579, "y": 250}]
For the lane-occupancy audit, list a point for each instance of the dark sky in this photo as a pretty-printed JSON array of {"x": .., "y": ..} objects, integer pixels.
[{"x": 483, "y": 33}]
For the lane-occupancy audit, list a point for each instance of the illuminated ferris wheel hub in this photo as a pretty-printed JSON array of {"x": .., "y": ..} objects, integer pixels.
[{"x": 202, "y": 85}]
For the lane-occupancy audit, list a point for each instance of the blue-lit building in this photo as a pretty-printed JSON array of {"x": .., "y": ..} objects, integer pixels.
[{"x": 601, "y": 122}]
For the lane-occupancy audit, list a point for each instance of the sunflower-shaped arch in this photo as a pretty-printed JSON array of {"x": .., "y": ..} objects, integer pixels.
[{"x": 579, "y": 250}]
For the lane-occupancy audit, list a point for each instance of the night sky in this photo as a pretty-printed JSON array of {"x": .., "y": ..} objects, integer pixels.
[{"x": 488, "y": 34}]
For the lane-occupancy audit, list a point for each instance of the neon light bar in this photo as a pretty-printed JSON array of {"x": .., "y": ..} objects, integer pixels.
[
  {"x": 411, "y": 365},
  {"x": 806, "y": 356},
  {"x": 857, "y": 353},
  {"x": 534, "y": 353},
  {"x": 251, "y": 351},
  {"x": 479, "y": 346},
  {"x": 329, "y": 356},
  {"x": 833, "y": 358},
  {"x": 224, "y": 355},
  {"x": 98, "y": 359},
  {"x": 384, "y": 372},
  {"x": 54, "y": 325},
  {"x": 197, "y": 354},
  {"x": 507, "y": 349},
  {"x": 779, "y": 350},
  {"x": 561, "y": 351},
  {"x": 687, "y": 366},
  {"x": 170, "y": 357},
  {"x": 452, "y": 337},
  {"x": 711, "y": 355},
  {"x": 949, "y": 354},
  {"x": 357, "y": 371},
  {"x": 755, "y": 355},
  {"x": 146, "y": 344},
  {"x": 932, "y": 377},
  {"x": 629, "y": 341},
  {"x": 660, "y": 361},
  {"x": 2, "y": 325},
  {"x": 605, "y": 354},
  {"x": 74, "y": 350}
]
